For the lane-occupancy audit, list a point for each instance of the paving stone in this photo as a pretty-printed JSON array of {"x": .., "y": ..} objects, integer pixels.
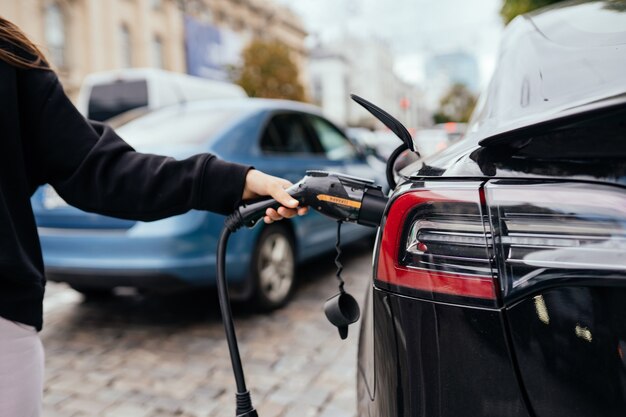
[
  {"x": 301, "y": 410},
  {"x": 167, "y": 405},
  {"x": 315, "y": 397},
  {"x": 332, "y": 411},
  {"x": 53, "y": 398},
  {"x": 127, "y": 410},
  {"x": 84, "y": 405}
]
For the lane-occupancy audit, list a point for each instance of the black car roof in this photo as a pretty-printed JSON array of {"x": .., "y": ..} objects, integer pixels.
[{"x": 554, "y": 64}]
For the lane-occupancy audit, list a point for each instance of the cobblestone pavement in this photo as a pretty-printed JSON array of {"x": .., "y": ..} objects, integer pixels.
[{"x": 134, "y": 356}]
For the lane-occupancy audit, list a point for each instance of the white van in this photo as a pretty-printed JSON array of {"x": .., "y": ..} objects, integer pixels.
[{"x": 105, "y": 95}]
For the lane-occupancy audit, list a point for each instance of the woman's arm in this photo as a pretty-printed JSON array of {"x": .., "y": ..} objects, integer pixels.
[{"x": 92, "y": 168}]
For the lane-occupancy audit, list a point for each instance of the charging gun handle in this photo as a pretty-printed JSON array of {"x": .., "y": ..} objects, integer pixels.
[{"x": 251, "y": 211}]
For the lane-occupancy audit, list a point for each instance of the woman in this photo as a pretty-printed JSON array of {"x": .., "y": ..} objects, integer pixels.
[{"x": 43, "y": 139}]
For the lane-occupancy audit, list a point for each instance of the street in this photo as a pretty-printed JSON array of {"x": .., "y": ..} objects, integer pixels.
[{"x": 155, "y": 356}]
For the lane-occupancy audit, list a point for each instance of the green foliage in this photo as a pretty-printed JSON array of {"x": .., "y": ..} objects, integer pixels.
[
  {"x": 512, "y": 8},
  {"x": 268, "y": 71},
  {"x": 456, "y": 105}
]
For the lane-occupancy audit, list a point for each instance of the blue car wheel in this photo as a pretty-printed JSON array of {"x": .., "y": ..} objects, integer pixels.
[{"x": 273, "y": 267}]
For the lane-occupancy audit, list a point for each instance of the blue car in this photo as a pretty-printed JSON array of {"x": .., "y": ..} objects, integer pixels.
[{"x": 95, "y": 254}]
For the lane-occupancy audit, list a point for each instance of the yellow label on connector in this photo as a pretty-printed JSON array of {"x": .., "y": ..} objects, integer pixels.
[{"x": 339, "y": 200}]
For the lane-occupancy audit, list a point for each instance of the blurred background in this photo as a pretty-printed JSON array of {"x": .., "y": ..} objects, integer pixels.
[
  {"x": 423, "y": 61},
  {"x": 411, "y": 57}
]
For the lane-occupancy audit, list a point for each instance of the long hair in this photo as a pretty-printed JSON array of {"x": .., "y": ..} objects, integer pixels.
[{"x": 13, "y": 41}]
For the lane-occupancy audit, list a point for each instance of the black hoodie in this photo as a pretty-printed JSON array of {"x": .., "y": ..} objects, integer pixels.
[{"x": 44, "y": 139}]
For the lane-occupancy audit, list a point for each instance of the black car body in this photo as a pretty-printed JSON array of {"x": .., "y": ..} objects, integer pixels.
[{"x": 499, "y": 283}]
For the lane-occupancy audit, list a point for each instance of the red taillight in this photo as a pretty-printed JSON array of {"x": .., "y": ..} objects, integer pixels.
[
  {"x": 551, "y": 234},
  {"x": 434, "y": 243}
]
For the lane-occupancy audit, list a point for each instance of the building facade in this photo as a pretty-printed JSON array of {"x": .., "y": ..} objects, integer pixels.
[
  {"x": 363, "y": 67},
  {"x": 84, "y": 36},
  {"x": 330, "y": 84},
  {"x": 235, "y": 23},
  {"x": 444, "y": 70}
]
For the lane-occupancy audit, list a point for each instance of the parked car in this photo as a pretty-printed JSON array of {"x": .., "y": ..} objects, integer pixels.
[
  {"x": 136, "y": 91},
  {"x": 499, "y": 277},
  {"x": 431, "y": 141},
  {"x": 95, "y": 254},
  {"x": 378, "y": 143},
  {"x": 364, "y": 138},
  {"x": 454, "y": 130}
]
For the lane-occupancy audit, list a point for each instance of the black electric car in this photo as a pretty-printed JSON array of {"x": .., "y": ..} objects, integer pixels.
[{"x": 499, "y": 278}]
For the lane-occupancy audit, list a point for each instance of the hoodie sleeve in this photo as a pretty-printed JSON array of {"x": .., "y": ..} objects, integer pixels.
[{"x": 92, "y": 168}]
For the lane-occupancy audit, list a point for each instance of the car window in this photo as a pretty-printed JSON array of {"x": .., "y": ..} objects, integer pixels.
[
  {"x": 110, "y": 99},
  {"x": 335, "y": 144},
  {"x": 288, "y": 134}
]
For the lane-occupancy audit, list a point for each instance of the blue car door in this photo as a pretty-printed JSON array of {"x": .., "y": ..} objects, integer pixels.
[{"x": 288, "y": 148}]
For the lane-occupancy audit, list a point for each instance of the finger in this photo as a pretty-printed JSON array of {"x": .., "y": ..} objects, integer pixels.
[
  {"x": 284, "y": 183},
  {"x": 302, "y": 211},
  {"x": 267, "y": 220},
  {"x": 279, "y": 194},
  {"x": 287, "y": 213},
  {"x": 272, "y": 214}
]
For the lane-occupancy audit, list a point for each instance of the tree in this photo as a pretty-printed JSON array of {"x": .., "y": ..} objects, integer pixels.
[
  {"x": 268, "y": 71},
  {"x": 456, "y": 105},
  {"x": 512, "y": 8}
]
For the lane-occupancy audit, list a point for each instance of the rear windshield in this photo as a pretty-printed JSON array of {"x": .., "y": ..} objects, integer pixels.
[
  {"x": 176, "y": 126},
  {"x": 112, "y": 99}
]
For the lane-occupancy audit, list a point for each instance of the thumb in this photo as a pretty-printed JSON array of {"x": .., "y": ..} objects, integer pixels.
[{"x": 279, "y": 194}]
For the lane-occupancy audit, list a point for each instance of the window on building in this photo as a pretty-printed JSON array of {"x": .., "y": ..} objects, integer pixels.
[
  {"x": 317, "y": 91},
  {"x": 221, "y": 17},
  {"x": 157, "y": 52},
  {"x": 55, "y": 35},
  {"x": 126, "y": 50}
]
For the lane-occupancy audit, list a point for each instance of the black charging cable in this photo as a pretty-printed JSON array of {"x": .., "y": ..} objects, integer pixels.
[
  {"x": 244, "y": 402},
  {"x": 338, "y": 263}
]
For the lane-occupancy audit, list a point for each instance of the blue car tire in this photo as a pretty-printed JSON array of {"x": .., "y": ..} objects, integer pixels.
[{"x": 273, "y": 267}]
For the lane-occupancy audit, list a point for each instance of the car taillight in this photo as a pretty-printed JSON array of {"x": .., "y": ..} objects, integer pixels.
[
  {"x": 557, "y": 233},
  {"x": 434, "y": 245}
]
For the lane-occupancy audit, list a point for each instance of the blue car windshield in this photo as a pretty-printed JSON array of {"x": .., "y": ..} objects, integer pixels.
[{"x": 176, "y": 127}]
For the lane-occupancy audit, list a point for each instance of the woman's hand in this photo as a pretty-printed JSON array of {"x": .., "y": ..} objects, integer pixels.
[{"x": 259, "y": 184}]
